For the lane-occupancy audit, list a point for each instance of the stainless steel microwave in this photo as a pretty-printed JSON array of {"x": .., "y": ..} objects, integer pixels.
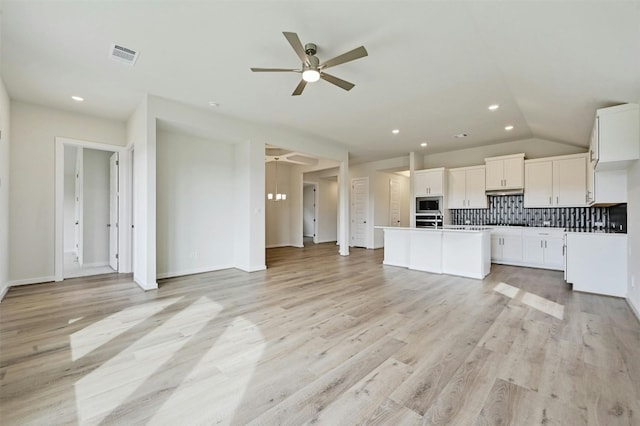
[{"x": 429, "y": 205}]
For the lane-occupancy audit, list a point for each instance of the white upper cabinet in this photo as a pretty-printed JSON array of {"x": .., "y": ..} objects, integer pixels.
[
  {"x": 428, "y": 182},
  {"x": 614, "y": 141},
  {"x": 556, "y": 182},
  {"x": 570, "y": 182},
  {"x": 506, "y": 172},
  {"x": 467, "y": 188}
]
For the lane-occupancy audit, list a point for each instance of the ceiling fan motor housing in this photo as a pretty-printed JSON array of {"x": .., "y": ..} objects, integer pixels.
[{"x": 310, "y": 49}]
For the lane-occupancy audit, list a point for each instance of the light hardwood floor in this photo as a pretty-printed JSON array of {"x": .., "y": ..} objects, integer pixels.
[{"x": 319, "y": 339}]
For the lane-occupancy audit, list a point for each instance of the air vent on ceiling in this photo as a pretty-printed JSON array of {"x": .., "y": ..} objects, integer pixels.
[{"x": 123, "y": 54}]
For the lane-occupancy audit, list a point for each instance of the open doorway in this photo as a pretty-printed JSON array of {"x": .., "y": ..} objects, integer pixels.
[
  {"x": 91, "y": 212},
  {"x": 309, "y": 213}
]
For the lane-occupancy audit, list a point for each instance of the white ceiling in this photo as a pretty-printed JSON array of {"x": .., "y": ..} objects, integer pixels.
[{"x": 432, "y": 70}]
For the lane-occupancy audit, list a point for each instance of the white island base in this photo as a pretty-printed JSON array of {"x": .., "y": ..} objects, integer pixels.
[{"x": 455, "y": 251}]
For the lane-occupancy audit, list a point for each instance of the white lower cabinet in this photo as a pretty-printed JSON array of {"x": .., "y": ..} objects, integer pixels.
[
  {"x": 597, "y": 263},
  {"x": 543, "y": 248},
  {"x": 506, "y": 245}
]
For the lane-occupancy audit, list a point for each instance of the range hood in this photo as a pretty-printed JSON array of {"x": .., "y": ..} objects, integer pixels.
[{"x": 515, "y": 191}]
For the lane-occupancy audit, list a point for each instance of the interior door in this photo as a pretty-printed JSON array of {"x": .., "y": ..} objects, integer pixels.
[
  {"x": 394, "y": 202},
  {"x": 78, "y": 207},
  {"x": 359, "y": 211},
  {"x": 113, "y": 211}
]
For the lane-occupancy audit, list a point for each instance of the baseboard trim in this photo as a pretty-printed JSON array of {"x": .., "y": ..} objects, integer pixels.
[
  {"x": 278, "y": 245},
  {"x": 3, "y": 292},
  {"x": 164, "y": 275},
  {"x": 27, "y": 281},
  {"x": 251, "y": 268},
  {"x": 145, "y": 286},
  {"x": 633, "y": 309}
]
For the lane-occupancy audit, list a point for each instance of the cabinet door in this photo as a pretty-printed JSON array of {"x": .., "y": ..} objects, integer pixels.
[
  {"x": 538, "y": 188},
  {"x": 457, "y": 189},
  {"x": 533, "y": 250},
  {"x": 513, "y": 173},
  {"x": 434, "y": 182},
  {"x": 570, "y": 182},
  {"x": 476, "y": 189},
  {"x": 494, "y": 174},
  {"x": 553, "y": 253},
  {"x": 420, "y": 184},
  {"x": 496, "y": 247},
  {"x": 512, "y": 248}
]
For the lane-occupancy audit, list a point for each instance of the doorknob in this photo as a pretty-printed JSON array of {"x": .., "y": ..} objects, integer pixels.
[
  {"x": 108, "y": 225},
  {"x": 365, "y": 221},
  {"x": 77, "y": 223}
]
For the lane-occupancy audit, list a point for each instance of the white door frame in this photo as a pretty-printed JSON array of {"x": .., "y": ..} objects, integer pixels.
[
  {"x": 114, "y": 195},
  {"x": 124, "y": 209}
]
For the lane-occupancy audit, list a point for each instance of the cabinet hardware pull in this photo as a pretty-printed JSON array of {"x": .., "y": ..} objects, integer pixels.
[
  {"x": 541, "y": 244},
  {"x": 545, "y": 243},
  {"x": 557, "y": 200},
  {"x": 550, "y": 202}
]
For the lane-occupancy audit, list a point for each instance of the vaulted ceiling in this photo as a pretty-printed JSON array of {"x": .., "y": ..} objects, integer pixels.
[{"x": 433, "y": 67}]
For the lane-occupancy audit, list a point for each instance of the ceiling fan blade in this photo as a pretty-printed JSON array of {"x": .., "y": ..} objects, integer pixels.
[
  {"x": 274, "y": 70},
  {"x": 337, "y": 81},
  {"x": 352, "y": 55},
  {"x": 299, "y": 88},
  {"x": 295, "y": 42}
]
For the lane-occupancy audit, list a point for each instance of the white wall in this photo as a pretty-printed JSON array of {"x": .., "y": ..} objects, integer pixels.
[
  {"x": 70, "y": 153},
  {"x": 278, "y": 213},
  {"x": 33, "y": 132},
  {"x": 5, "y": 141},
  {"x": 249, "y": 203},
  {"x": 95, "y": 211},
  {"x": 533, "y": 148},
  {"x": 194, "y": 204},
  {"x": 633, "y": 236},
  {"x": 327, "y": 219}
]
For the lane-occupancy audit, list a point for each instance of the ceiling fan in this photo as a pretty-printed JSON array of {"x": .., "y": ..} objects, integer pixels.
[{"x": 312, "y": 69}]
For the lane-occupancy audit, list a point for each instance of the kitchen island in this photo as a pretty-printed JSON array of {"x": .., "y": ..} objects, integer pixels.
[{"x": 455, "y": 250}]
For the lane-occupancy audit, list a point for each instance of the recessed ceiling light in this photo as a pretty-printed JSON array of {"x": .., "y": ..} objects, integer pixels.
[
  {"x": 493, "y": 107},
  {"x": 213, "y": 104},
  {"x": 77, "y": 98},
  {"x": 395, "y": 131},
  {"x": 460, "y": 135},
  {"x": 423, "y": 144},
  {"x": 508, "y": 128}
]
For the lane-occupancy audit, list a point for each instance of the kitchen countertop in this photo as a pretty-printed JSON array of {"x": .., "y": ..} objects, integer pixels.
[{"x": 565, "y": 229}]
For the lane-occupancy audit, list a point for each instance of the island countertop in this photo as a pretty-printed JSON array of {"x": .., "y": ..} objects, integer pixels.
[{"x": 445, "y": 228}]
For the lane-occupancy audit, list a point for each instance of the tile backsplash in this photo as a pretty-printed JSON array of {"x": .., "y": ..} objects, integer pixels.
[{"x": 509, "y": 209}]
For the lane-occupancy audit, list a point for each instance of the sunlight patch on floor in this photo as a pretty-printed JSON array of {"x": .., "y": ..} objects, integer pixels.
[
  {"x": 533, "y": 301},
  {"x": 104, "y": 389},
  {"x": 213, "y": 390},
  {"x": 544, "y": 305},
  {"x": 506, "y": 289},
  {"x": 97, "y": 334}
]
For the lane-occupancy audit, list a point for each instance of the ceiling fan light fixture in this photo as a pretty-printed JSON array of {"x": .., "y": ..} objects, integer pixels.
[{"x": 310, "y": 75}]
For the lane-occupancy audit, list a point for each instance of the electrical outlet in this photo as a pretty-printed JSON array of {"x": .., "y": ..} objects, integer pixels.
[
  {"x": 546, "y": 223},
  {"x": 467, "y": 222}
]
